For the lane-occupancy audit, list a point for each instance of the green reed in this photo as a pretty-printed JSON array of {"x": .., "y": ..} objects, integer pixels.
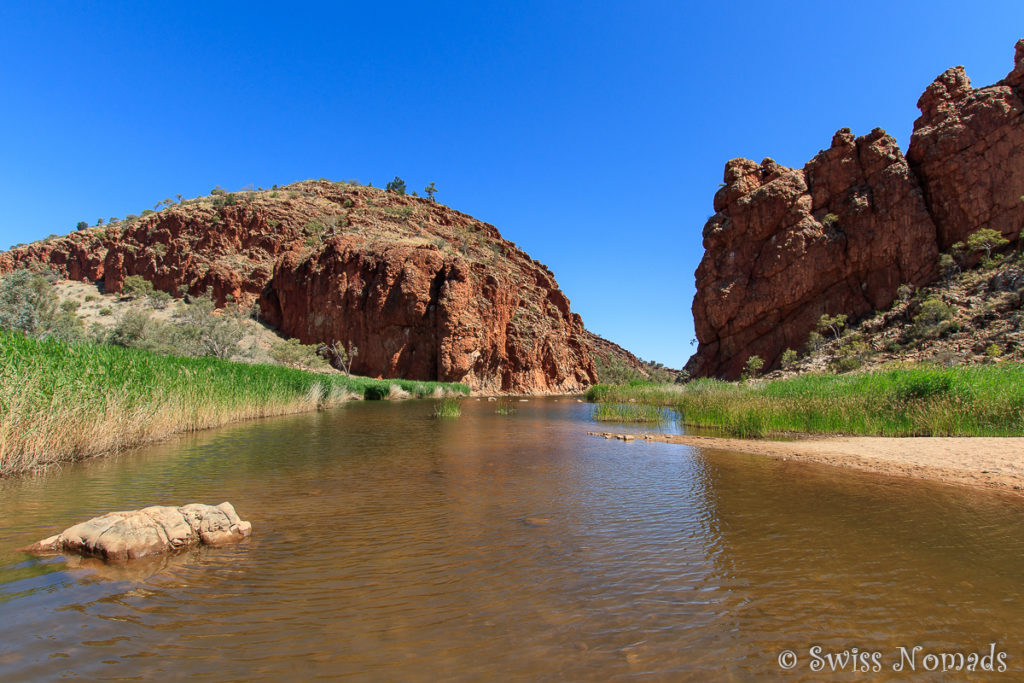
[
  {"x": 449, "y": 406},
  {"x": 922, "y": 400},
  {"x": 61, "y": 402}
]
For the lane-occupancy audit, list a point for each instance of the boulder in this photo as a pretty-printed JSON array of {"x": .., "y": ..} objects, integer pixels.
[{"x": 149, "y": 531}]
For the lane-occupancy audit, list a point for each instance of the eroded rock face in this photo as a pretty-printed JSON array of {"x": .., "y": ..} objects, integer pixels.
[
  {"x": 423, "y": 291},
  {"x": 149, "y": 531},
  {"x": 414, "y": 312},
  {"x": 788, "y": 245},
  {"x": 968, "y": 151},
  {"x": 842, "y": 234}
]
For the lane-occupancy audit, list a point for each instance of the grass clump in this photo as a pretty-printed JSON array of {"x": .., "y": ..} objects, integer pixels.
[
  {"x": 923, "y": 400},
  {"x": 628, "y": 412},
  {"x": 506, "y": 407},
  {"x": 449, "y": 406}
]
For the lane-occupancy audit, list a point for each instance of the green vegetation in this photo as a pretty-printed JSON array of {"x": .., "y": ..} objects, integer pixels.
[
  {"x": 194, "y": 331},
  {"x": 430, "y": 190},
  {"x": 506, "y": 407},
  {"x": 397, "y": 186},
  {"x": 449, "y": 406},
  {"x": 981, "y": 400},
  {"x": 835, "y": 323},
  {"x": 628, "y": 412},
  {"x": 136, "y": 287},
  {"x": 614, "y": 370},
  {"x": 986, "y": 240},
  {"x": 789, "y": 359},
  {"x": 64, "y": 401},
  {"x": 295, "y": 354},
  {"x": 28, "y": 304},
  {"x": 752, "y": 368}
]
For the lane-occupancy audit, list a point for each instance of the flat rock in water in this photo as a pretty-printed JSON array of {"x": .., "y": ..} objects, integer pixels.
[{"x": 149, "y": 531}]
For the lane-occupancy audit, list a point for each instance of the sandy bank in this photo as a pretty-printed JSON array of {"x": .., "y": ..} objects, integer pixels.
[{"x": 990, "y": 462}]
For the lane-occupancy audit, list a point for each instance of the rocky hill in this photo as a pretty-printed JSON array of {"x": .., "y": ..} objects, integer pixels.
[
  {"x": 616, "y": 365},
  {"x": 969, "y": 317},
  {"x": 842, "y": 234},
  {"x": 422, "y": 291}
]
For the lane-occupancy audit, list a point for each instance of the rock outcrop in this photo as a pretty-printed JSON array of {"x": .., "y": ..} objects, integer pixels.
[
  {"x": 154, "y": 530},
  {"x": 424, "y": 292},
  {"x": 967, "y": 149},
  {"x": 786, "y": 246}
]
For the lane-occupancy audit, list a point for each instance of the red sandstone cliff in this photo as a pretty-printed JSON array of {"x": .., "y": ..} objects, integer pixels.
[
  {"x": 842, "y": 234},
  {"x": 423, "y": 291}
]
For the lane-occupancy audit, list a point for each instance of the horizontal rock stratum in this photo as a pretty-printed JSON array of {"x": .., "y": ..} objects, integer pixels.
[
  {"x": 149, "y": 531},
  {"x": 841, "y": 235},
  {"x": 423, "y": 291}
]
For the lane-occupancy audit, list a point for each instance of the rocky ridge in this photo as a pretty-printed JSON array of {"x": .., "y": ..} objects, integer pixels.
[
  {"x": 842, "y": 234},
  {"x": 423, "y": 291}
]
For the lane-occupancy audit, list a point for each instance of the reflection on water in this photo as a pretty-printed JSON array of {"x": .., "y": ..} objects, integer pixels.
[{"x": 391, "y": 545}]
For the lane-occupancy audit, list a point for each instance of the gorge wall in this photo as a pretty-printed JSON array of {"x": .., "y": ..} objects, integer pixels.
[
  {"x": 840, "y": 235},
  {"x": 423, "y": 291}
]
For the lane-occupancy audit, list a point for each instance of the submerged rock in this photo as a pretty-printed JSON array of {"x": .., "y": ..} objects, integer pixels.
[{"x": 149, "y": 531}]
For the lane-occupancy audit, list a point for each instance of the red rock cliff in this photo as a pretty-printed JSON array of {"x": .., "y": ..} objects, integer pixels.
[
  {"x": 423, "y": 291},
  {"x": 842, "y": 234}
]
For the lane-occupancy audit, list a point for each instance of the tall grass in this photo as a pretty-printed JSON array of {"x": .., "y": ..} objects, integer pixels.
[
  {"x": 448, "y": 407},
  {"x": 61, "y": 402},
  {"x": 981, "y": 400},
  {"x": 505, "y": 407}
]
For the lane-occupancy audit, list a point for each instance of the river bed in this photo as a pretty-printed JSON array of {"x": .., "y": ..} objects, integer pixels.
[{"x": 389, "y": 545}]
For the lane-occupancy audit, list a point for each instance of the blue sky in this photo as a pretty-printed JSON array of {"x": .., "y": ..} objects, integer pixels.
[{"x": 592, "y": 134}]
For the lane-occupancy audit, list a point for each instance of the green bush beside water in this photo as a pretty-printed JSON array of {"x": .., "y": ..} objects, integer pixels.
[
  {"x": 982, "y": 400},
  {"x": 63, "y": 401}
]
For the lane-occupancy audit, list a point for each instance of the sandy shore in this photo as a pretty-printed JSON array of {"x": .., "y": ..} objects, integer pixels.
[{"x": 990, "y": 462}]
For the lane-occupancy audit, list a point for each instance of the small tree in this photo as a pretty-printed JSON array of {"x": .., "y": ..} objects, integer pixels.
[
  {"x": 82, "y": 225},
  {"x": 343, "y": 355},
  {"x": 835, "y": 323},
  {"x": 789, "y": 358},
  {"x": 948, "y": 267},
  {"x": 753, "y": 366},
  {"x": 814, "y": 342},
  {"x": 397, "y": 186},
  {"x": 135, "y": 287},
  {"x": 430, "y": 190},
  {"x": 986, "y": 240},
  {"x": 99, "y": 221}
]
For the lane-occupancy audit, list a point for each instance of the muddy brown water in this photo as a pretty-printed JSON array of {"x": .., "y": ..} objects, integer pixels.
[{"x": 392, "y": 546}]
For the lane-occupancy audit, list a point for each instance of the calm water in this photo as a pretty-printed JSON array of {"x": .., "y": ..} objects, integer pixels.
[{"x": 388, "y": 545}]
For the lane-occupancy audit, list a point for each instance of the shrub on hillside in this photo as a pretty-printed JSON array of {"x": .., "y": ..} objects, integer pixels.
[
  {"x": 934, "y": 319},
  {"x": 293, "y": 353},
  {"x": 29, "y": 304},
  {"x": 136, "y": 287}
]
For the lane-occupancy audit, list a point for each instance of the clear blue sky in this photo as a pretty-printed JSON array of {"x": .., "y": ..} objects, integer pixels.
[{"x": 593, "y": 134}]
